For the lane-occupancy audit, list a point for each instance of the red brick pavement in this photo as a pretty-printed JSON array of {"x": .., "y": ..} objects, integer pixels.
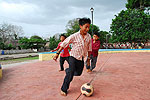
[{"x": 118, "y": 76}]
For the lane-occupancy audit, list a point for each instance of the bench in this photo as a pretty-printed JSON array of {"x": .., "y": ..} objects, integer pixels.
[{"x": 46, "y": 56}]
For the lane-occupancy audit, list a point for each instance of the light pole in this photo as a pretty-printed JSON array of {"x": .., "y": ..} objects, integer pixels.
[
  {"x": 92, "y": 10},
  {"x": 106, "y": 42}
]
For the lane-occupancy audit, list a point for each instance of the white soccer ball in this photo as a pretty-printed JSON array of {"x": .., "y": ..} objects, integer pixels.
[{"x": 87, "y": 89}]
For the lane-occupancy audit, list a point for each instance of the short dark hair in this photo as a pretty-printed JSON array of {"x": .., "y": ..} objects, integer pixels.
[
  {"x": 96, "y": 33},
  {"x": 84, "y": 20},
  {"x": 63, "y": 35}
]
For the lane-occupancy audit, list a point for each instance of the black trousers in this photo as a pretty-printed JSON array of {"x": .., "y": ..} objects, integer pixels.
[
  {"x": 62, "y": 60},
  {"x": 75, "y": 69},
  {"x": 93, "y": 63}
]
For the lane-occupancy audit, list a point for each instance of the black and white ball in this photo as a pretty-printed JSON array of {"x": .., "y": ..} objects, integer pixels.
[{"x": 87, "y": 89}]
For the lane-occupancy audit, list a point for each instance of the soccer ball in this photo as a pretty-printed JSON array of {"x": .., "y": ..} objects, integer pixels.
[{"x": 87, "y": 89}]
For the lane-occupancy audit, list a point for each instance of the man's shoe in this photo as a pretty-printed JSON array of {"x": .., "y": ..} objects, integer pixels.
[
  {"x": 63, "y": 93},
  {"x": 88, "y": 70},
  {"x": 60, "y": 70}
]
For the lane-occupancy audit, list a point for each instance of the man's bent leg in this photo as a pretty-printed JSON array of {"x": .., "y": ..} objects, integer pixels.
[{"x": 69, "y": 74}]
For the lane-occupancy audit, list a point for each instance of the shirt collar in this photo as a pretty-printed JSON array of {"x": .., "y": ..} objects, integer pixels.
[{"x": 85, "y": 36}]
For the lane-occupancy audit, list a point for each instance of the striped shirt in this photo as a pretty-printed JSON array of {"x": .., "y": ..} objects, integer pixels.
[{"x": 80, "y": 46}]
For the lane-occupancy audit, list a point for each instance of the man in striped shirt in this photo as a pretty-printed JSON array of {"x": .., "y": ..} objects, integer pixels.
[{"x": 81, "y": 47}]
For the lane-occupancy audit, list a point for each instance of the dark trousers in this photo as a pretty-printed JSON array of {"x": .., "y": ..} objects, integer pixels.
[
  {"x": 93, "y": 63},
  {"x": 75, "y": 69},
  {"x": 62, "y": 60}
]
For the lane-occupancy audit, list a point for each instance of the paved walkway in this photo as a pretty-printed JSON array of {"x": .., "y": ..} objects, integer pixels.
[
  {"x": 14, "y": 56},
  {"x": 118, "y": 76}
]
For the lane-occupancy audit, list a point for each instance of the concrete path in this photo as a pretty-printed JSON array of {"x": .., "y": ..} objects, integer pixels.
[
  {"x": 18, "y": 63},
  {"x": 118, "y": 76},
  {"x": 14, "y": 56}
]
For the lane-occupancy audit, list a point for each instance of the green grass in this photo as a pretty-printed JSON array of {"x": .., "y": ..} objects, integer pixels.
[{"x": 22, "y": 59}]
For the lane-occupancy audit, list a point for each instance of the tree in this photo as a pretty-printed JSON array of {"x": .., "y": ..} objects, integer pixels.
[
  {"x": 138, "y": 4},
  {"x": 95, "y": 29},
  {"x": 103, "y": 35},
  {"x": 24, "y": 43},
  {"x": 10, "y": 46},
  {"x": 9, "y": 32},
  {"x": 53, "y": 42},
  {"x": 131, "y": 25},
  {"x": 1, "y": 44},
  {"x": 73, "y": 26},
  {"x": 35, "y": 42}
]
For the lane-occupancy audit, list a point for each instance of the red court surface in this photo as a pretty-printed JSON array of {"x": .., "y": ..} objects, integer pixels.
[{"x": 118, "y": 76}]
